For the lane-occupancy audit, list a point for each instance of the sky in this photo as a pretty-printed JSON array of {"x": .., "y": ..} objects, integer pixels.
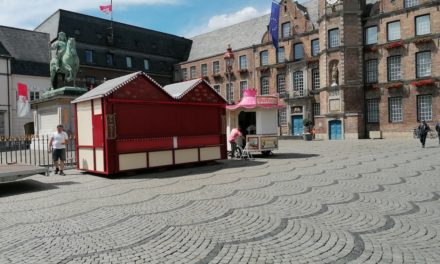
[{"x": 185, "y": 18}]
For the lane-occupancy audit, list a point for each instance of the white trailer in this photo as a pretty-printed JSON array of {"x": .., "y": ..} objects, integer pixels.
[
  {"x": 15, "y": 172},
  {"x": 257, "y": 116}
]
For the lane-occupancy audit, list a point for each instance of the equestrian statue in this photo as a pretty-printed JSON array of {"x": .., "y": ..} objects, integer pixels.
[{"x": 65, "y": 61}]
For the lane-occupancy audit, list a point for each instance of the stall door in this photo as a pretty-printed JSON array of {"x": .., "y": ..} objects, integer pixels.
[
  {"x": 297, "y": 125},
  {"x": 335, "y": 130}
]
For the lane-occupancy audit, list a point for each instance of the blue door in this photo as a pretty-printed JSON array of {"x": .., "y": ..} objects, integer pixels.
[
  {"x": 335, "y": 130},
  {"x": 297, "y": 125}
]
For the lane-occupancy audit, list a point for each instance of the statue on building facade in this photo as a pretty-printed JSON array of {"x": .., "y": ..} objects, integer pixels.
[
  {"x": 65, "y": 60},
  {"x": 335, "y": 75}
]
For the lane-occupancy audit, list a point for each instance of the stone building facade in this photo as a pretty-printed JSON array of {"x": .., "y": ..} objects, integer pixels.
[
  {"x": 24, "y": 58},
  {"x": 108, "y": 50},
  {"x": 353, "y": 68}
]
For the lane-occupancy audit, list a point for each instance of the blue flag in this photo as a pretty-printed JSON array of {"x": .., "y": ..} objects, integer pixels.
[{"x": 274, "y": 23}]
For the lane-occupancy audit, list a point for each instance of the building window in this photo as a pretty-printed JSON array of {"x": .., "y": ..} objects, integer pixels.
[
  {"x": 286, "y": 30},
  {"x": 204, "y": 68},
  {"x": 90, "y": 81},
  {"x": 264, "y": 85},
  {"x": 371, "y": 35},
  {"x": 146, "y": 64},
  {"x": 395, "y": 109},
  {"x": 264, "y": 58},
  {"x": 423, "y": 64},
  {"x": 229, "y": 92},
  {"x": 185, "y": 74},
  {"x": 217, "y": 88},
  {"x": 192, "y": 72},
  {"x": 298, "y": 83},
  {"x": 394, "y": 68},
  {"x": 109, "y": 59},
  {"x": 243, "y": 86},
  {"x": 371, "y": 71},
  {"x": 2, "y": 124},
  {"x": 423, "y": 25},
  {"x": 393, "y": 30},
  {"x": 315, "y": 79},
  {"x": 315, "y": 47},
  {"x": 282, "y": 117},
  {"x": 298, "y": 51},
  {"x": 373, "y": 111},
  {"x": 243, "y": 62},
  {"x": 281, "y": 83},
  {"x": 216, "y": 67},
  {"x": 281, "y": 57},
  {"x": 424, "y": 107},
  {"x": 89, "y": 56},
  {"x": 333, "y": 38},
  {"x": 129, "y": 61},
  {"x": 411, "y": 3},
  {"x": 34, "y": 95},
  {"x": 316, "y": 109}
]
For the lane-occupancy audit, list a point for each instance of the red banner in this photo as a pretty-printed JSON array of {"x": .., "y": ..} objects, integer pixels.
[{"x": 106, "y": 9}]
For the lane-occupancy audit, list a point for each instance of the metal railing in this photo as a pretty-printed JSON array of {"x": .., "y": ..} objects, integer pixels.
[{"x": 33, "y": 150}]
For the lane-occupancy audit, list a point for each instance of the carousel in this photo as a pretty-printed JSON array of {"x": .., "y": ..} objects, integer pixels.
[{"x": 257, "y": 116}]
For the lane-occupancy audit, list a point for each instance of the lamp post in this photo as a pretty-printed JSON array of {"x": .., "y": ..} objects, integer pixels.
[{"x": 229, "y": 60}]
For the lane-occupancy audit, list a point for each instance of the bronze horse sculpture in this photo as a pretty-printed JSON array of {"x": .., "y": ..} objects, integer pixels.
[{"x": 67, "y": 66}]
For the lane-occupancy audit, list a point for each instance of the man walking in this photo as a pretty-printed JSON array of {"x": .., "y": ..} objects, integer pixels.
[
  {"x": 57, "y": 146},
  {"x": 437, "y": 128},
  {"x": 423, "y": 132}
]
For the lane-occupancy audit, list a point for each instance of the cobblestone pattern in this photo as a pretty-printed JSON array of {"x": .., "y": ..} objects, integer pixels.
[{"x": 313, "y": 202}]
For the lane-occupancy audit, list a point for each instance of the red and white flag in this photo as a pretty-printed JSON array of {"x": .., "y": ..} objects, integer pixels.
[
  {"x": 107, "y": 9},
  {"x": 23, "y": 106}
]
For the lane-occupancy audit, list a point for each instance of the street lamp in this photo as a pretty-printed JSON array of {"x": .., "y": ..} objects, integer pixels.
[{"x": 229, "y": 60}]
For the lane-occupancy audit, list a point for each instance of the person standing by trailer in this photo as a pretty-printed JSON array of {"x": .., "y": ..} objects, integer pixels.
[
  {"x": 57, "y": 145},
  {"x": 235, "y": 134},
  {"x": 423, "y": 130}
]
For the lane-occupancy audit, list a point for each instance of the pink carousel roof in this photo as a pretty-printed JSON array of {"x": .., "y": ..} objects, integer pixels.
[{"x": 250, "y": 100}]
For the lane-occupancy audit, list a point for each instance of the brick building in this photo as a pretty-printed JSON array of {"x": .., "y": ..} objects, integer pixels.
[{"x": 352, "y": 67}]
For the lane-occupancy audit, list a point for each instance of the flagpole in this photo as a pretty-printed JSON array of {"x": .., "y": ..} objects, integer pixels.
[{"x": 111, "y": 16}]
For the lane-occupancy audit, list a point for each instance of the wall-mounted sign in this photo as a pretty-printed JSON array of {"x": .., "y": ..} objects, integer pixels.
[{"x": 267, "y": 100}]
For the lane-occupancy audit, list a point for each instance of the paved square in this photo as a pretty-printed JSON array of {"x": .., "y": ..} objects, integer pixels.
[{"x": 313, "y": 202}]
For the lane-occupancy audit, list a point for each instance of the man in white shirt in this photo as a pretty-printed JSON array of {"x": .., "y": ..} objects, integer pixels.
[{"x": 57, "y": 146}]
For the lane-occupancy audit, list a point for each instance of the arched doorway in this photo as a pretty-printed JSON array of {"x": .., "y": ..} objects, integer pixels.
[{"x": 335, "y": 130}]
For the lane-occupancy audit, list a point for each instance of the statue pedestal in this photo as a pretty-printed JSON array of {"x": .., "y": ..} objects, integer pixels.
[{"x": 54, "y": 108}]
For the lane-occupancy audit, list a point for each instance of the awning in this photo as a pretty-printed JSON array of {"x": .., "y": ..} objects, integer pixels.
[{"x": 251, "y": 100}]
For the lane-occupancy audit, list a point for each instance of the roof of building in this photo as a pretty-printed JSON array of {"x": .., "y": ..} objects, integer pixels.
[
  {"x": 241, "y": 35},
  {"x": 3, "y": 51},
  {"x": 95, "y": 31},
  {"x": 25, "y": 45},
  {"x": 111, "y": 86}
]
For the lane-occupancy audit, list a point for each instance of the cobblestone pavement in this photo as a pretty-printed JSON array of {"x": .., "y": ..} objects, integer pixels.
[{"x": 313, "y": 202}]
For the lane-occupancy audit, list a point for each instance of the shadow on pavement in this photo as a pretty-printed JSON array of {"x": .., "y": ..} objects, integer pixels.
[
  {"x": 187, "y": 170},
  {"x": 287, "y": 156},
  {"x": 23, "y": 187}
]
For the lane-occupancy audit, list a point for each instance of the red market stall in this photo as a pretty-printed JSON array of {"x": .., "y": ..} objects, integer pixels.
[
  {"x": 257, "y": 116},
  {"x": 132, "y": 123}
]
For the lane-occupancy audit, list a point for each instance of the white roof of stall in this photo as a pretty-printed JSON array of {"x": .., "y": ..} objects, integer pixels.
[
  {"x": 111, "y": 86},
  {"x": 179, "y": 90}
]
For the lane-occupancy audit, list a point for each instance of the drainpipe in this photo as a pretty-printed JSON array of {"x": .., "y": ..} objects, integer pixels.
[{"x": 8, "y": 75}]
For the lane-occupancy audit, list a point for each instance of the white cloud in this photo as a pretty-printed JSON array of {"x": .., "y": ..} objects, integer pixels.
[
  {"x": 224, "y": 20},
  {"x": 28, "y": 14}
]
